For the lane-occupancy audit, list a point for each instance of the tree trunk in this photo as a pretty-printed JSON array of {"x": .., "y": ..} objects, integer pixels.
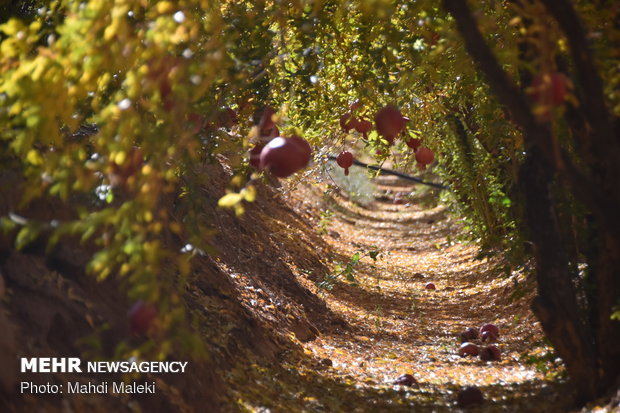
[
  {"x": 556, "y": 303},
  {"x": 588, "y": 345}
]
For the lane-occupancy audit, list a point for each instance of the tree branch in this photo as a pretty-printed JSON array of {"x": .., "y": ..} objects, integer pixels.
[
  {"x": 587, "y": 72},
  {"x": 501, "y": 84}
]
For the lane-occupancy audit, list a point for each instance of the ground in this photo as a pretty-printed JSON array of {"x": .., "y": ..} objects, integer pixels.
[
  {"x": 293, "y": 321},
  {"x": 394, "y": 326}
]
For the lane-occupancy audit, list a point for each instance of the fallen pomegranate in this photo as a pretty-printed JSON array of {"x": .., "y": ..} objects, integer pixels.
[
  {"x": 468, "y": 349},
  {"x": 406, "y": 380},
  {"x": 490, "y": 327},
  {"x": 490, "y": 353},
  {"x": 469, "y": 396},
  {"x": 345, "y": 160},
  {"x": 488, "y": 337},
  {"x": 424, "y": 155},
  {"x": 141, "y": 316},
  {"x": 469, "y": 334},
  {"x": 285, "y": 156},
  {"x": 390, "y": 122},
  {"x": 430, "y": 286}
]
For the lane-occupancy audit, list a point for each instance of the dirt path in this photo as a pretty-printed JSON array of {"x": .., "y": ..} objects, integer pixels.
[{"x": 398, "y": 327}]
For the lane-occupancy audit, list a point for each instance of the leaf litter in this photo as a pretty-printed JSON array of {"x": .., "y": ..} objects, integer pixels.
[{"x": 394, "y": 326}]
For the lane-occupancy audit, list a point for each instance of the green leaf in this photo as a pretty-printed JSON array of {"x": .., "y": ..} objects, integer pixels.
[{"x": 26, "y": 235}]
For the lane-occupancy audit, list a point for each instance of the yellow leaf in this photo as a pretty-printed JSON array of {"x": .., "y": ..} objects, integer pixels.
[
  {"x": 34, "y": 157},
  {"x": 249, "y": 193},
  {"x": 229, "y": 200}
]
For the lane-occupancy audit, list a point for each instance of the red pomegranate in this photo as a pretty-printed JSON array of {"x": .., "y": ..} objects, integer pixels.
[
  {"x": 348, "y": 122},
  {"x": 468, "y": 349},
  {"x": 255, "y": 155},
  {"x": 424, "y": 155},
  {"x": 227, "y": 118},
  {"x": 266, "y": 123},
  {"x": 490, "y": 353},
  {"x": 141, "y": 316},
  {"x": 345, "y": 160},
  {"x": 414, "y": 143},
  {"x": 469, "y": 396},
  {"x": 406, "y": 380},
  {"x": 390, "y": 122},
  {"x": 285, "y": 156},
  {"x": 470, "y": 333},
  {"x": 488, "y": 336},
  {"x": 195, "y": 122},
  {"x": 490, "y": 327},
  {"x": 549, "y": 88},
  {"x": 355, "y": 106},
  {"x": 363, "y": 126}
]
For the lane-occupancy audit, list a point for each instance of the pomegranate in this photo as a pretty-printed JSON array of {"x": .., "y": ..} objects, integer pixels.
[
  {"x": 549, "y": 88},
  {"x": 490, "y": 353},
  {"x": 255, "y": 155},
  {"x": 490, "y": 327},
  {"x": 488, "y": 336},
  {"x": 141, "y": 316},
  {"x": 390, "y": 122},
  {"x": 348, "y": 122},
  {"x": 285, "y": 156},
  {"x": 355, "y": 105},
  {"x": 195, "y": 122},
  {"x": 414, "y": 143},
  {"x": 469, "y": 396},
  {"x": 363, "y": 126},
  {"x": 424, "y": 155},
  {"x": 468, "y": 349},
  {"x": 119, "y": 174},
  {"x": 227, "y": 118},
  {"x": 345, "y": 160},
  {"x": 266, "y": 124},
  {"x": 470, "y": 333},
  {"x": 406, "y": 380}
]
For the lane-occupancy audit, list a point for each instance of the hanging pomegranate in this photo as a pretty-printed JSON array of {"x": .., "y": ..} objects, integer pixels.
[{"x": 345, "y": 161}]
